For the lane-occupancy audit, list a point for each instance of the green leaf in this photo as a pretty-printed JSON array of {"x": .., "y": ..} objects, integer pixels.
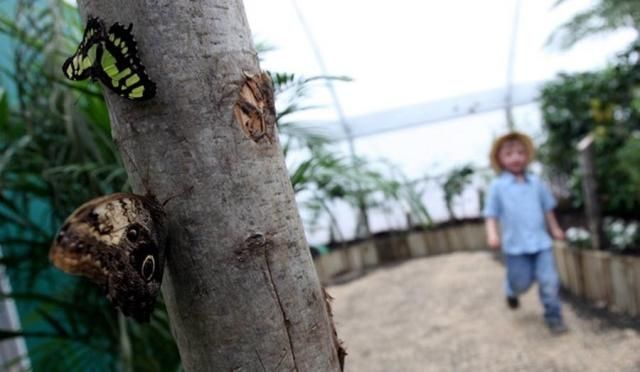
[{"x": 4, "y": 110}]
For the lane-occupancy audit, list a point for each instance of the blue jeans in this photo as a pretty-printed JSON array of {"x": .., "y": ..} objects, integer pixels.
[{"x": 523, "y": 269}]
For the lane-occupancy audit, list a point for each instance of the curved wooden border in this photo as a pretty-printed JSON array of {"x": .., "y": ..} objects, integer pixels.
[{"x": 607, "y": 280}]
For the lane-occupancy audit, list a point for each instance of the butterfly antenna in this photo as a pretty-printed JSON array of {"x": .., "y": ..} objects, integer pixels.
[{"x": 164, "y": 203}]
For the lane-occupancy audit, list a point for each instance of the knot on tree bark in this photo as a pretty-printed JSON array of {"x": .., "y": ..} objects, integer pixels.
[
  {"x": 255, "y": 109},
  {"x": 255, "y": 245}
]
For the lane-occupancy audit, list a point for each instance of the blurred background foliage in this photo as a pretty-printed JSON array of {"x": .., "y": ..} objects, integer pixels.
[
  {"x": 457, "y": 180},
  {"x": 607, "y": 104},
  {"x": 601, "y": 17}
]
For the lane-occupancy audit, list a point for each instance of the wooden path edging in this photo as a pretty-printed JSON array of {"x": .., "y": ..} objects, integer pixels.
[
  {"x": 398, "y": 246},
  {"x": 606, "y": 279}
]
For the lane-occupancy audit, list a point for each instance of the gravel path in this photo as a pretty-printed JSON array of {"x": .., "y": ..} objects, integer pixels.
[{"x": 447, "y": 313}]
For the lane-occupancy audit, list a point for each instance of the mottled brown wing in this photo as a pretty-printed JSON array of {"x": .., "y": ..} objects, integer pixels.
[{"x": 118, "y": 241}]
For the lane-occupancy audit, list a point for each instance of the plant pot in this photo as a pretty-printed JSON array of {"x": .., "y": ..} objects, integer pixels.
[
  {"x": 392, "y": 248},
  {"x": 596, "y": 276},
  {"x": 417, "y": 244},
  {"x": 573, "y": 266},
  {"x": 624, "y": 282}
]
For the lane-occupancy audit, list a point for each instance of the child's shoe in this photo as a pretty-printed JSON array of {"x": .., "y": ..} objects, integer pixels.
[
  {"x": 557, "y": 328},
  {"x": 513, "y": 302}
]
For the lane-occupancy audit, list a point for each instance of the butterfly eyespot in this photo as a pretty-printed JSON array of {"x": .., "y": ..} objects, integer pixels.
[
  {"x": 148, "y": 267},
  {"x": 132, "y": 234},
  {"x": 128, "y": 261}
]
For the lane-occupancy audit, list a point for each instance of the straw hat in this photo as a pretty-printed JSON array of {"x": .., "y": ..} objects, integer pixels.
[{"x": 511, "y": 136}]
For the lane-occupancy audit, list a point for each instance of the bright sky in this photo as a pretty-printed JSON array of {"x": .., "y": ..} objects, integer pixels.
[{"x": 407, "y": 52}]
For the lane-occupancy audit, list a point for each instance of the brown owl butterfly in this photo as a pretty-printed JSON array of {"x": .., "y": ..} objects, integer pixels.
[{"x": 117, "y": 241}]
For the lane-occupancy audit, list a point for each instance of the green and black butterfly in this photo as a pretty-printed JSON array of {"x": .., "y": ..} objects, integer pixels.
[{"x": 111, "y": 57}]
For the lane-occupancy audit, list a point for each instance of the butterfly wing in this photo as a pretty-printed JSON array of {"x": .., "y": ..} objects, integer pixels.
[
  {"x": 120, "y": 67},
  {"x": 117, "y": 241},
  {"x": 79, "y": 66}
]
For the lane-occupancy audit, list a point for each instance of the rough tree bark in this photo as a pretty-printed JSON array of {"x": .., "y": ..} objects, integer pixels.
[{"x": 240, "y": 286}]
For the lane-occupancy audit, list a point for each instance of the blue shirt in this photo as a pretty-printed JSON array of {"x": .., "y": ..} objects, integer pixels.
[{"x": 520, "y": 207}]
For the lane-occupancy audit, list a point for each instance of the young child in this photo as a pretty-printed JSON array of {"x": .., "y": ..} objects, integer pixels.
[{"x": 521, "y": 206}]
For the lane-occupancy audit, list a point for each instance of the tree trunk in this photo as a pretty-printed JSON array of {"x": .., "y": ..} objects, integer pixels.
[{"x": 239, "y": 285}]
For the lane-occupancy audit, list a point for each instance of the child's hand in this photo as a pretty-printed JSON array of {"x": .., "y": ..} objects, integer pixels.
[
  {"x": 557, "y": 234},
  {"x": 554, "y": 227},
  {"x": 493, "y": 236},
  {"x": 493, "y": 241}
]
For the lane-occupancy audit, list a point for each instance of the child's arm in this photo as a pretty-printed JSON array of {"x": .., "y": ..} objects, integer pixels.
[
  {"x": 554, "y": 227},
  {"x": 493, "y": 237}
]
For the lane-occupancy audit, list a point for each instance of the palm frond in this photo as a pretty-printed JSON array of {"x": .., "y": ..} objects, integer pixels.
[{"x": 604, "y": 16}]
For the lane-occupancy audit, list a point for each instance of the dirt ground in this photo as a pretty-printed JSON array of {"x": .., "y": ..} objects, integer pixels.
[{"x": 448, "y": 313}]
